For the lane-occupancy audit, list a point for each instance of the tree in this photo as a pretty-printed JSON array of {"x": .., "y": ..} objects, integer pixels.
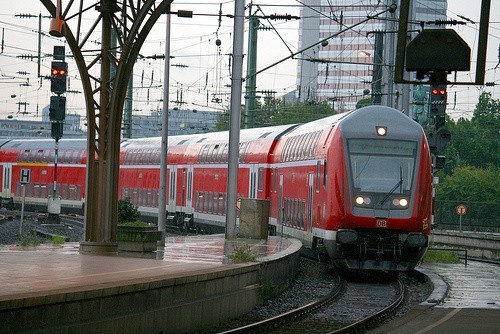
[
  {"x": 364, "y": 102},
  {"x": 477, "y": 188},
  {"x": 278, "y": 112},
  {"x": 475, "y": 142}
]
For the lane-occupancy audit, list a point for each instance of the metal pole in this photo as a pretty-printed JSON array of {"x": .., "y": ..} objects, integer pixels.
[
  {"x": 460, "y": 220},
  {"x": 162, "y": 196},
  {"x": 235, "y": 117},
  {"x": 23, "y": 191},
  {"x": 55, "y": 168},
  {"x": 251, "y": 82}
]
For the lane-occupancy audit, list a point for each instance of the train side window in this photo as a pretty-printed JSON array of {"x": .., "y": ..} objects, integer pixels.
[
  {"x": 80, "y": 157},
  {"x": 72, "y": 192},
  {"x": 43, "y": 190},
  {"x": 224, "y": 153},
  {"x": 39, "y": 156},
  {"x": 69, "y": 156},
  {"x": 309, "y": 140},
  {"x": 260, "y": 185},
  {"x": 295, "y": 154},
  {"x": 300, "y": 147},
  {"x": 25, "y": 155},
  {"x": 324, "y": 174},
  {"x": 149, "y": 197},
  {"x": 74, "y": 157},
  {"x": 318, "y": 174},
  {"x": 205, "y": 201}
]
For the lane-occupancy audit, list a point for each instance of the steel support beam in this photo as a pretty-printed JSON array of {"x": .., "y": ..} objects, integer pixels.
[{"x": 105, "y": 102}]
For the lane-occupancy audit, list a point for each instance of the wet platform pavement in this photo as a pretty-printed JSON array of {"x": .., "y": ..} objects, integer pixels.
[
  {"x": 466, "y": 299},
  {"x": 48, "y": 269}
]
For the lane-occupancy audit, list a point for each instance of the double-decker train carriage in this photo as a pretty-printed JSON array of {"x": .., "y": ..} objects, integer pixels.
[{"x": 356, "y": 185}]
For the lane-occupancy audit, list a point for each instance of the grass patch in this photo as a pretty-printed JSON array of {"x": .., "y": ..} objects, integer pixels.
[
  {"x": 30, "y": 239},
  {"x": 440, "y": 256},
  {"x": 242, "y": 254},
  {"x": 58, "y": 240}
]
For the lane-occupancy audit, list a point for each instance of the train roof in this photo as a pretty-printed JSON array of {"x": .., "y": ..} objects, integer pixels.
[
  {"x": 41, "y": 144},
  {"x": 399, "y": 125},
  {"x": 210, "y": 137}
]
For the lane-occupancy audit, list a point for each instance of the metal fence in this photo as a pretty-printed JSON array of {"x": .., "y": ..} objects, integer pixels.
[{"x": 479, "y": 216}]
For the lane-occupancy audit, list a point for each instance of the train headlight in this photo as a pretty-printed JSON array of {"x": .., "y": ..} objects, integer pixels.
[
  {"x": 360, "y": 200},
  {"x": 401, "y": 202},
  {"x": 381, "y": 131}
]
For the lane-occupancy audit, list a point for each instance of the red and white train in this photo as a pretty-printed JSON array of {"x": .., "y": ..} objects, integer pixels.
[{"x": 357, "y": 184}]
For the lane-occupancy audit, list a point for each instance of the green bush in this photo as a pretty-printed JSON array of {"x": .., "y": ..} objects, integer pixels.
[{"x": 127, "y": 212}]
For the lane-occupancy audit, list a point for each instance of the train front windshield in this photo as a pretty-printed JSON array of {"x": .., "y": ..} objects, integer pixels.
[{"x": 382, "y": 166}]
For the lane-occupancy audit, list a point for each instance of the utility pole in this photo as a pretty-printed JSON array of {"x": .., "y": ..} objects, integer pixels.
[
  {"x": 251, "y": 82},
  {"x": 378, "y": 60},
  {"x": 235, "y": 117}
]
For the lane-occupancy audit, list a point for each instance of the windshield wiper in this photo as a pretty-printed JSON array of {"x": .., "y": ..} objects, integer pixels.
[{"x": 400, "y": 182}]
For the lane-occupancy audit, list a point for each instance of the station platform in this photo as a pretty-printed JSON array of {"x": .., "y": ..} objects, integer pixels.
[
  {"x": 58, "y": 289},
  {"x": 465, "y": 299}
]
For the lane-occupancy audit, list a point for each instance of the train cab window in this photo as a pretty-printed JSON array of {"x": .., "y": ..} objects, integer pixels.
[{"x": 382, "y": 165}]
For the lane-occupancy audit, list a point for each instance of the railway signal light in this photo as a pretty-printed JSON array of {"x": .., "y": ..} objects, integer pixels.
[
  {"x": 56, "y": 130},
  {"x": 57, "y": 109},
  {"x": 438, "y": 100},
  {"x": 58, "y": 75}
]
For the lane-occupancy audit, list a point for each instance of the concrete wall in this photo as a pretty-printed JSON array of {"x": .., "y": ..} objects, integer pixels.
[
  {"x": 175, "y": 305},
  {"x": 483, "y": 245}
]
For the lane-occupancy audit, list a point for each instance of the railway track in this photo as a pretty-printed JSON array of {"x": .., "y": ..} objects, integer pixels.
[{"x": 348, "y": 307}]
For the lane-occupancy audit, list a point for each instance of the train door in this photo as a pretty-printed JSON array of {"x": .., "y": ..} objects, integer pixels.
[
  {"x": 189, "y": 192},
  {"x": 172, "y": 189},
  {"x": 310, "y": 193},
  {"x": 6, "y": 180},
  {"x": 281, "y": 208},
  {"x": 181, "y": 188},
  {"x": 253, "y": 181}
]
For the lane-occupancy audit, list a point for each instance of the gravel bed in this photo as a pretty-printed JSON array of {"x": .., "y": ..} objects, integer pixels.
[
  {"x": 314, "y": 282},
  {"x": 10, "y": 230}
]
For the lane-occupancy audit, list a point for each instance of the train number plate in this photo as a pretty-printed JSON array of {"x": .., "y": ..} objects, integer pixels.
[{"x": 382, "y": 223}]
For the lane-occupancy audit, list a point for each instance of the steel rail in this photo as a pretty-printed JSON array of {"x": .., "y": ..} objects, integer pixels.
[
  {"x": 380, "y": 315},
  {"x": 293, "y": 314}
]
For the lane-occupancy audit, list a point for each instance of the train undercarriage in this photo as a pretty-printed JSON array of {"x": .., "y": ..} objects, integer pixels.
[{"x": 374, "y": 250}]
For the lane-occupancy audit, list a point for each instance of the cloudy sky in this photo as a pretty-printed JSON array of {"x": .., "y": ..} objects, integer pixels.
[{"x": 201, "y": 70}]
